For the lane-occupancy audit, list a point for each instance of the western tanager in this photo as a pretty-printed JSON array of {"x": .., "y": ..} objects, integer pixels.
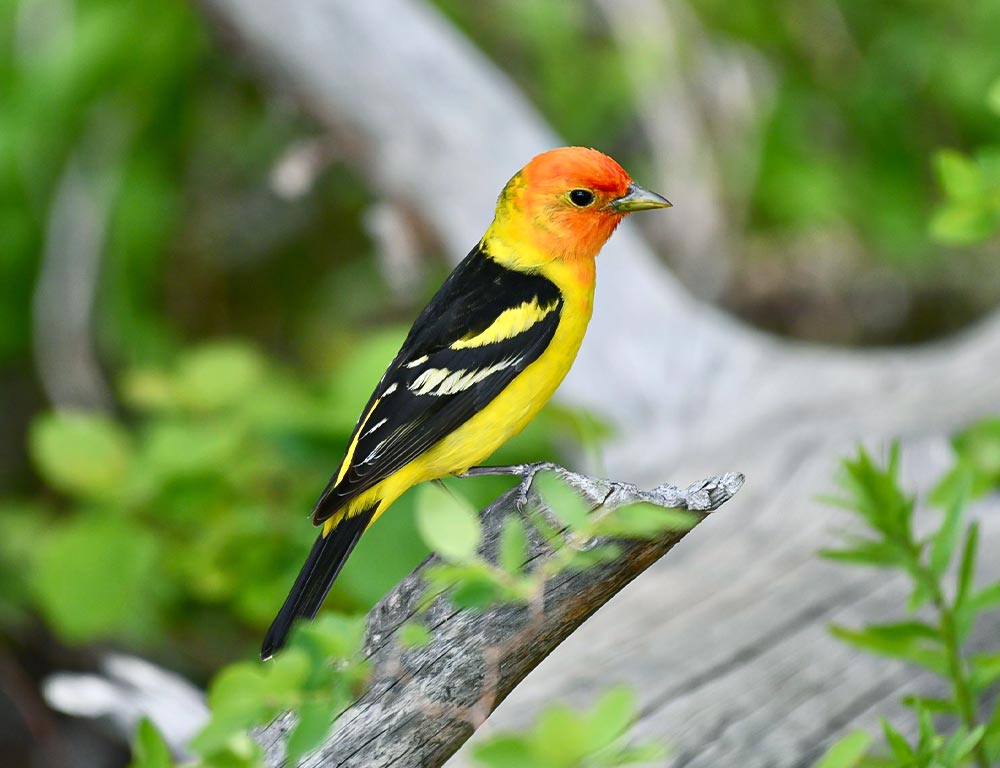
[{"x": 482, "y": 358}]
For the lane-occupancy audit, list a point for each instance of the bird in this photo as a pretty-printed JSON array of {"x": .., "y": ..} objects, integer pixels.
[{"x": 482, "y": 358}]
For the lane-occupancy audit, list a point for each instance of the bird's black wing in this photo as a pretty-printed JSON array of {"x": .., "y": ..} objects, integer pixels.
[{"x": 441, "y": 378}]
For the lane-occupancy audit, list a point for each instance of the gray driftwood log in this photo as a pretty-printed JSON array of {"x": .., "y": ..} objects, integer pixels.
[
  {"x": 424, "y": 703},
  {"x": 726, "y": 639}
]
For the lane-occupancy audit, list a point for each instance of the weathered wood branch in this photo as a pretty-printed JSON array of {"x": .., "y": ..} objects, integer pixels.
[{"x": 424, "y": 703}]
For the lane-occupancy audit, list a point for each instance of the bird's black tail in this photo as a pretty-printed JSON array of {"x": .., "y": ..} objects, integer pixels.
[{"x": 327, "y": 557}]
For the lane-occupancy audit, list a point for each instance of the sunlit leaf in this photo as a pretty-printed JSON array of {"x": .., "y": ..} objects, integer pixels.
[
  {"x": 447, "y": 523},
  {"x": 563, "y": 500},
  {"x": 561, "y": 735},
  {"x": 987, "y": 598},
  {"x": 85, "y": 454},
  {"x": 644, "y": 521},
  {"x": 985, "y": 670},
  {"x": 958, "y": 174},
  {"x": 897, "y": 743},
  {"x": 611, "y": 717},
  {"x": 890, "y": 644},
  {"x": 993, "y": 97},
  {"x": 847, "y": 752},
  {"x": 149, "y": 750},
  {"x": 967, "y": 568},
  {"x": 413, "y": 634},
  {"x": 513, "y": 546},
  {"x": 505, "y": 751},
  {"x": 94, "y": 577},
  {"x": 312, "y": 723},
  {"x": 217, "y": 374}
]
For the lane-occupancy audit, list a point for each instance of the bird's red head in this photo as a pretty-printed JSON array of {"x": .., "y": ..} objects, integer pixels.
[{"x": 568, "y": 201}]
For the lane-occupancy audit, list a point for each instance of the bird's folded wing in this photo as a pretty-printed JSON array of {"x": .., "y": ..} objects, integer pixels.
[{"x": 485, "y": 326}]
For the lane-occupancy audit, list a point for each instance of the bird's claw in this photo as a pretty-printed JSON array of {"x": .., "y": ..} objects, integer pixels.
[{"x": 527, "y": 474}]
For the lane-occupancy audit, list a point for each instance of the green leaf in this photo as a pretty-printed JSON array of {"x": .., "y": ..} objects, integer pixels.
[
  {"x": 561, "y": 736},
  {"x": 978, "y": 448},
  {"x": 894, "y": 645},
  {"x": 963, "y": 223},
  {"x": 593, "y": 555},
  {"x": 846, "y": 752},
  {"x": 967, "y": 567},
  {"x": 94, "y": 577},
  {"x": 954, "y": 485},
  {"x": 935, "y": 706},
  {"x": 993, "y": 97},
  {"x": 447, "y": 524},
  {"x": 413, "y": 634},
  {"x": 908, "y": 632},
  {"x": 944, "y": 541},
  {"x": 330, "y": 636},
  {"x": 218, "y": 374},
  {"x": 476, "y": 594},
  {"x": 237, "y": 698},
  {"x": 868, "y": 552},
  {"x": 312, "y": 724},
  {"x": 900, "y": 747},
  {"x": 611, "y": 717},
  {"x": 147, "y": 389},
  {"x": 82, "y": 454},
  {"x": 987, "y": 598},
  {"x": 958, "y": 174},
  {"x": 505, "y": 751},
  {"x": 513, "y": 546},
  {"x": 985, "y": 670},
  {"x": 564, "y": 501},
  {"x": 149, "y": 750},
  {"x": 961, "y": 744},
  {"x": 644, "y": 521},
  {"x": 920, "y": 595},
  {"x": 286, "y": 674},
  {"x": 641, "y": 753},
  {"x": 180, "y": 449}
]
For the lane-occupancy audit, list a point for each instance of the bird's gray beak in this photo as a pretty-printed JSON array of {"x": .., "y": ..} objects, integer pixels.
[{"x": 639, "y": 199}]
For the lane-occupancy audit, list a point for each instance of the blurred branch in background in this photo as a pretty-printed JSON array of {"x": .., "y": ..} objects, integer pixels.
[
  {"x": 65, "y": 346},
  {"x": 697, "y": 98}
]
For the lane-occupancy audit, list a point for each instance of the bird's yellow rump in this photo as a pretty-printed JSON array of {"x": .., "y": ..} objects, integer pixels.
[{"x": 481, "y": 359}]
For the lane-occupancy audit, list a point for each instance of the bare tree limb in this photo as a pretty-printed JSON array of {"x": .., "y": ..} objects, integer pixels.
[{"x": 424, "y": 703}]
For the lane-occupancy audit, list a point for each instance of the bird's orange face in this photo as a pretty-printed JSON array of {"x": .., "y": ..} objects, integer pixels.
[{"x": 568, "y": 201}]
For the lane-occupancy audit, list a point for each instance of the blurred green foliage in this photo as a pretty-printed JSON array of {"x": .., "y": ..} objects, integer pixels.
[
  {"x": 182, "y": 528},
  {"x": 564, "y": 737},
  {"x": 866, "y": 92},
  {"x": 195, "y": 241}
]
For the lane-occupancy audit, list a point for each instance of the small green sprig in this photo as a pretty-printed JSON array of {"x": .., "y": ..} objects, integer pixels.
[{"x": 952, "y": 604}]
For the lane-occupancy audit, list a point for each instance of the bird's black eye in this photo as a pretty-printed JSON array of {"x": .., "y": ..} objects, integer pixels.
[{"x": 581, "y": 197}]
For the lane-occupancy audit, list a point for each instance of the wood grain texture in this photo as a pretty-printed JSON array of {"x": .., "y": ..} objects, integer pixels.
[{"x": 725, "y": 640}]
